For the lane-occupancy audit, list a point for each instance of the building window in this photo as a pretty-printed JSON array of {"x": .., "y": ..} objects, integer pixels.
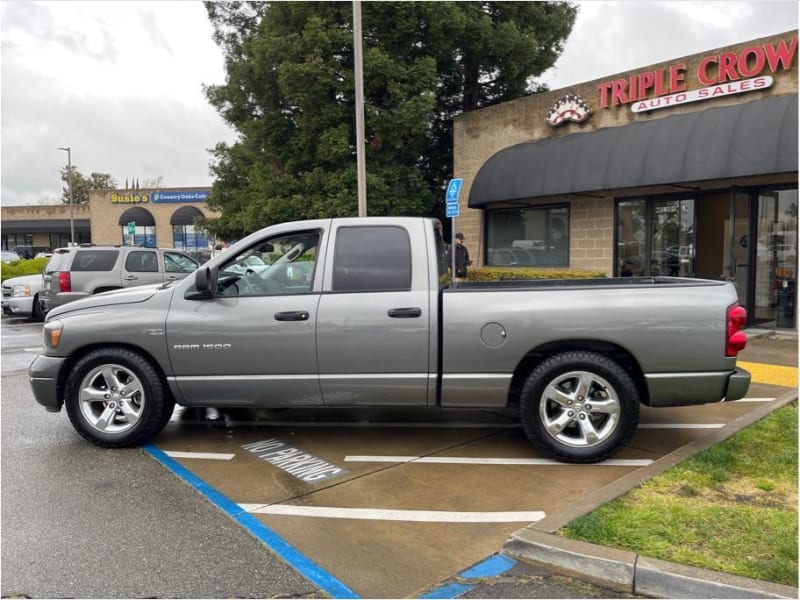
[
  {"x": 11, "y": 240},
  {"x": 655, "y": 237},
  {"x": 144, "y": 236},
  {"x": 192, "y": 240},
  {"x": 534, "y": 237}
]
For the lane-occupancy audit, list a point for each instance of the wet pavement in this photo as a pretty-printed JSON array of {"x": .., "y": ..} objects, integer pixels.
[{"x": 385, "y": 503}]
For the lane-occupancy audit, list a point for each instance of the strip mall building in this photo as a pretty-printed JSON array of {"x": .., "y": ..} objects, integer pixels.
[{"x": 687, "y": 167}]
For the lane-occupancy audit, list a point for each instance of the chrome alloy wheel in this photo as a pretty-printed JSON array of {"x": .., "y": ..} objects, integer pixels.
[
  {"x": 580, "y": 408},
  {"x": 111, "y": 398}
]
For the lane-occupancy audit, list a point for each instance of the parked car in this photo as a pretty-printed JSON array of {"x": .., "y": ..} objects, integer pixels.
[
  {"x": 21, "y": 296},
  {"x": 8, "y": 256},
  {"x": 28, "y": 252},
  {"x": 77, "y": 272},
  {"x": 357, "y": 312}
]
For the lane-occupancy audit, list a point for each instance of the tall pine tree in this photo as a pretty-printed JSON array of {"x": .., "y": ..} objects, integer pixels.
[{"x": 290, "y": 95}]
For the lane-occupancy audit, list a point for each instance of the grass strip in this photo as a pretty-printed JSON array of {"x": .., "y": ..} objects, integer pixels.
[{"x": 731, "y": 508}]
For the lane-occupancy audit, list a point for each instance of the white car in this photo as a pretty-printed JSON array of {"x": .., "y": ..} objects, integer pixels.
[
  {"x": 8, "y": 256},
  {"x": 21, "y": 296}
]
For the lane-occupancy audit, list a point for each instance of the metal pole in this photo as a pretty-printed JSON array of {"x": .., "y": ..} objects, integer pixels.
[
  {"x": 71, "y": 202},
  {"x": 359, "y": 75}
]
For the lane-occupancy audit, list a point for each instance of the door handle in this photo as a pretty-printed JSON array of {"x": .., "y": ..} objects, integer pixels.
[
  {"x": 292, "y": 315},
  {"x": 405, "y": 313},
  {"x": 131, "y": 278}
]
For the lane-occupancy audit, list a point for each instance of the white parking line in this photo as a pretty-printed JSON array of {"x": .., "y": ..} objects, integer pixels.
[
  {"x": 205, "y": 455},
  {"x": 681, "y": 425},
  {"x": 454, "y": 425},
  {"x": 467, "y": 460},
  {"x": 751, "y": 400},
  {"x": 377, "y": 514}
]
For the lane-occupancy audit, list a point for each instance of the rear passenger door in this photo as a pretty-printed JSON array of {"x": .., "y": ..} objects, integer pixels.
[
  {"x": 374, "y": 318},
  {"x": 140, "y": 267}
]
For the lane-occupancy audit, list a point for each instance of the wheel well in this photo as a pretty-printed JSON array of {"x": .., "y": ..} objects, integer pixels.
[
  {"x": 80, "y": 352},
  {"x": 541, "y": 353},
  {"x": 107, "y": 288}
]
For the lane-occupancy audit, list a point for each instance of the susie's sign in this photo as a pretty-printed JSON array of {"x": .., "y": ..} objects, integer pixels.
[{"x": 721, "y": 74}]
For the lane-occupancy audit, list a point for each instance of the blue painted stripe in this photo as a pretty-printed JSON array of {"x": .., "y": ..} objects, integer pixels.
[
  {"x": 304, "y": 565},
  {"x": 451, "y": 590},
  {"x": 491, "y": 567}
]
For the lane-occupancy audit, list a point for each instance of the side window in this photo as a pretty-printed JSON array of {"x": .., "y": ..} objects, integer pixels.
[
  {"x": 94, "y": 260},
  {"x": 281, "y": 265},
  {"x": 142, "y": 262},
  {"x": 178, "y": 263},
  {"x": 372, "y": 258}
]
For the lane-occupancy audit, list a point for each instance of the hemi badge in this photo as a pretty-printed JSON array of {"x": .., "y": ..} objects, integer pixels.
[{"x": 155, "y": 331}]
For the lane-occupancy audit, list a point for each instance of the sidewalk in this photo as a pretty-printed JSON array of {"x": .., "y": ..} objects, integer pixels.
[{"x": 771, "y": 357}]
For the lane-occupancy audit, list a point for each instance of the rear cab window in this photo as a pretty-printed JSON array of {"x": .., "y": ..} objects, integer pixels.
[{"x": 372, "y": 258}]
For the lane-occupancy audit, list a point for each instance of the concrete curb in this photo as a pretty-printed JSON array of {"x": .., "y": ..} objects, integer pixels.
[
  {"x": 633, "y": 573},
  {"x": 627, "y": 571}
]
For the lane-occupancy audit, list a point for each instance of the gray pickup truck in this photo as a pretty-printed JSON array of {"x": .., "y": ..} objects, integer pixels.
[{"x": 360, "y": 312}]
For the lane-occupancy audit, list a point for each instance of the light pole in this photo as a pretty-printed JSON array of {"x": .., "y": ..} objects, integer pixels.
[
  {"x": 71, "y": 214},
  {"x": 359, "y": 76}
]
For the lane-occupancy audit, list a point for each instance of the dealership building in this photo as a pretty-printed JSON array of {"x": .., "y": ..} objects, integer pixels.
[{"x": 686, "y": 167}]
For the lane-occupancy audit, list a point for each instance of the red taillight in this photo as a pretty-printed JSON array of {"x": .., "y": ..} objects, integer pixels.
[
  {"x": 64, "y": 282},
  {"x": 736, "y": 340}
]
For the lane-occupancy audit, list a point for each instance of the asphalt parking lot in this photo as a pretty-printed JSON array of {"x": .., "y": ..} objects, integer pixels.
[{"x": 388, "y": 503}]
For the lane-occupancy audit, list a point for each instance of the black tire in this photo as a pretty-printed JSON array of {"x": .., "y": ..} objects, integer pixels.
[
  {"x": 115, "y": 398},
  {"x": 36, "y": 312},
  {"x": 563, "y": 420}
]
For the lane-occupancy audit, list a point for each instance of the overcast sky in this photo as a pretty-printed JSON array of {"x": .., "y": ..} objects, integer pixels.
[{"x": 121, "y": 82}]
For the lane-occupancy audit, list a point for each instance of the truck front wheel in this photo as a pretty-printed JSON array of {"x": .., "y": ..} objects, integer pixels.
[
  {"x": 579, "y": 407},
  {"x": 115, "y": 398}
]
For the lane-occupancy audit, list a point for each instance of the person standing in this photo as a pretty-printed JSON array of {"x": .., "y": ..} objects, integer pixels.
[{"x": 462, "y": 258}]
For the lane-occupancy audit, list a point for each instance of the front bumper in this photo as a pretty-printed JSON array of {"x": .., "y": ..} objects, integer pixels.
[
  {"x": 22, "y": 305},
  {"x": 43, "y": 375}
]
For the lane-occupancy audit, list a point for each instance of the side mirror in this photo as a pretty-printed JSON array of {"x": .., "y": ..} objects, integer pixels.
[{"x": 203, "y": 283}]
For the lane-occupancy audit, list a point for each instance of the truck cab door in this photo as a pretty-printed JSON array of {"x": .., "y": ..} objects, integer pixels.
[
  {"x": 373, "y": 329},
  {"x": 253, "y": 342}
]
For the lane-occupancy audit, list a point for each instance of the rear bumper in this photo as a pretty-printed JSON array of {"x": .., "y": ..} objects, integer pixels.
[
  {"x": 43, "y": 375},
  {"x": 50, "y": 302},
  {"x": 688, "y": 389}
]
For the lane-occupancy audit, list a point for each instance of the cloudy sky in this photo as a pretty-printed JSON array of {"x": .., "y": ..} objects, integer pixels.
[{"x": 121, "y": 82}]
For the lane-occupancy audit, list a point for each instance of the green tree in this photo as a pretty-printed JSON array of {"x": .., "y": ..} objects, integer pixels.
[
  {"x": 290, "y": 90},
  {"x": 82, "y": 185}
]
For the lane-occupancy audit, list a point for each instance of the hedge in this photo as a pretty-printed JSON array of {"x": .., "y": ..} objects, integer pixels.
[
  {"x": 33, "y": 266},
  {"x": 510, "y": 273}
]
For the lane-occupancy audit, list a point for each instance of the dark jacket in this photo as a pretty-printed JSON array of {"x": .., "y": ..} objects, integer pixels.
[{"x": 462, "y": 260}]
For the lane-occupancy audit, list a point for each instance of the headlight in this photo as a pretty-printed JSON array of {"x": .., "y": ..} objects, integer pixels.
[
  {"x": 52, "y": 333},
  {"x": 21, "y": 290}
]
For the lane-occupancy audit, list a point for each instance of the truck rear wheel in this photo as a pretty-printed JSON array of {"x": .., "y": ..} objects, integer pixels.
[
  {"x": 579, "y": 407},
  {"x": 115, "y": 398}
]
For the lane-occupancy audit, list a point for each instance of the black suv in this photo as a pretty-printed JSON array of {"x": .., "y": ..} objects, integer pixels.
[{"x": 76, "y": 272}]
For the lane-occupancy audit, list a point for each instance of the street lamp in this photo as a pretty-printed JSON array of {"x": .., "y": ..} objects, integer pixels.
[{"x": 71, "y": 214}]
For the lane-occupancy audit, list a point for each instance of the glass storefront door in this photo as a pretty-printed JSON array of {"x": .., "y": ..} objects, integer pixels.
[{"x": 776, "y": 259}]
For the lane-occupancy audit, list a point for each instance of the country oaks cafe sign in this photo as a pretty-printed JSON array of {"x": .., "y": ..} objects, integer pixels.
[{"x": 723, "y": 74}]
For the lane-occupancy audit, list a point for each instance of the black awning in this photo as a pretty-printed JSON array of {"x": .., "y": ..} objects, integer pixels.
[
  {"x": 753, "y": 138},
  {"x": 137, "y": 214},
  {"x": 185, "y": 215},
  {"x": 45, "y": 225}
]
